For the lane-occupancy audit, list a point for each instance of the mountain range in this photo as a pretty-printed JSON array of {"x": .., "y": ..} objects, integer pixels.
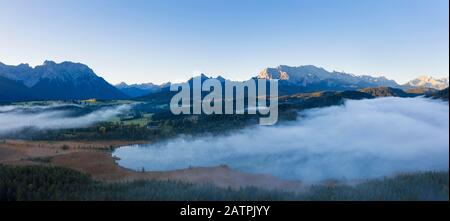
[
  {"x": 70, "y": 81},
  {"x": 310, "y": 78},
  {"x": 315, "y": 78},
  {"x": 428, "y": 82},
  {"x": 138, "y": 90},
  {"x": 53, "y": 81}
]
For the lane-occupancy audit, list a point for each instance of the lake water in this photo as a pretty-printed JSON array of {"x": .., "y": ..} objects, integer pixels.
[{"x": 359, "y": 140}]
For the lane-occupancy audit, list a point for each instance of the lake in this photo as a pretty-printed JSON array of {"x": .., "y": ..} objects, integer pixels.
[{"x": 359, "y": 140}]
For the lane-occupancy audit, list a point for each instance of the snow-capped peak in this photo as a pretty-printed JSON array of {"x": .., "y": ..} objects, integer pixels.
[
  {"x": 307, "y": 74},
  {"x": 429, "y": 82}
]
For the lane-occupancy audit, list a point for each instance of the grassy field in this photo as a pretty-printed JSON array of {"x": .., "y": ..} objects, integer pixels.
[
  {"x": 53, "y": 183},
  {"x": 142, "y": 122}
]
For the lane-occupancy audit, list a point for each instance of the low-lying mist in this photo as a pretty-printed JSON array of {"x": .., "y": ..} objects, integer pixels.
[
  {"x": 15, "y": 118},
  {"x": 358, "y": 140}
]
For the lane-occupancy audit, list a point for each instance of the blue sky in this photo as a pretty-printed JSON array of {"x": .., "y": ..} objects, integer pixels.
[{"x": 169, "y": 40}]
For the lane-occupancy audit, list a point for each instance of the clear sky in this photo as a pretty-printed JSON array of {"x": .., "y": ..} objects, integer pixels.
[{"x": 169, "y": 40}]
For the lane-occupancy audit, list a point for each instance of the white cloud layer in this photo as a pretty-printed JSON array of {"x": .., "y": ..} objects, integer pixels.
[
  {"x": 17, "y": 118},
  {"x": 362, "y": 139}
]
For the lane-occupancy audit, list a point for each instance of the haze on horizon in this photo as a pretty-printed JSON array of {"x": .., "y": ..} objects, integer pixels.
[{"x": 159, "y": 41}]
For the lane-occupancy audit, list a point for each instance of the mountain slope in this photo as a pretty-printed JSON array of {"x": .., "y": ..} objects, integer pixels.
[
  {"x": 11, "y": 90},
  {"x": 386, "y": 92},
  {"x": 22, "y": 73},
  {"x": 442, "y": 94},
  {"x": 421, "y": 90},
  {"x": 52, "y": 81}
]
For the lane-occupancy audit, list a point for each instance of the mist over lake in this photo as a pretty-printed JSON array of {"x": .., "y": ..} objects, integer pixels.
[
  {"x": 359, "y": 140},
  {"x": 16, "y": 118}
]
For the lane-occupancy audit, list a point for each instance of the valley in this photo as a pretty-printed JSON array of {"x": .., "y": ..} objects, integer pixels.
[
  {"x": 93, "y": 148},
  {"x": 335, "y": 130}
]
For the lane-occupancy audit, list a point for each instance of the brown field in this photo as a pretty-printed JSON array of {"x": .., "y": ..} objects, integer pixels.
[{"x": 95, "y": 159}]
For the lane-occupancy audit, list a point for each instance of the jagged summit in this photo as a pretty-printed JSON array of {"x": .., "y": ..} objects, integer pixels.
[
  {"x": 428, "y": 82},
  {"x": 311, "y": 75},
  {"x": 58, "y": 81},
  {"x": 29, "y": 76}
]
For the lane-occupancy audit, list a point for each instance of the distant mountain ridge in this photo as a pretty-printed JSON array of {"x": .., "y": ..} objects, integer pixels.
[
  {"x": 54, "y": 81},
  {"x": 428, "y": 82},
  {"x": 138, "y": 90},
  {"x": 69, "y": 80},
  {"x": 313, "y": 78},
  {"x": 317, "y": 80}
]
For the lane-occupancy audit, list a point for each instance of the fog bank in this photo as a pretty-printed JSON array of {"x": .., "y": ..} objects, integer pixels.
[
  {"x": 359, "y": 140},
  {"x": 17, "y": 118}
]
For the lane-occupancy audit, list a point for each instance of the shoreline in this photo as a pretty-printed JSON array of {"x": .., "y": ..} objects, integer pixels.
[{"x": 95, "y": 159}]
